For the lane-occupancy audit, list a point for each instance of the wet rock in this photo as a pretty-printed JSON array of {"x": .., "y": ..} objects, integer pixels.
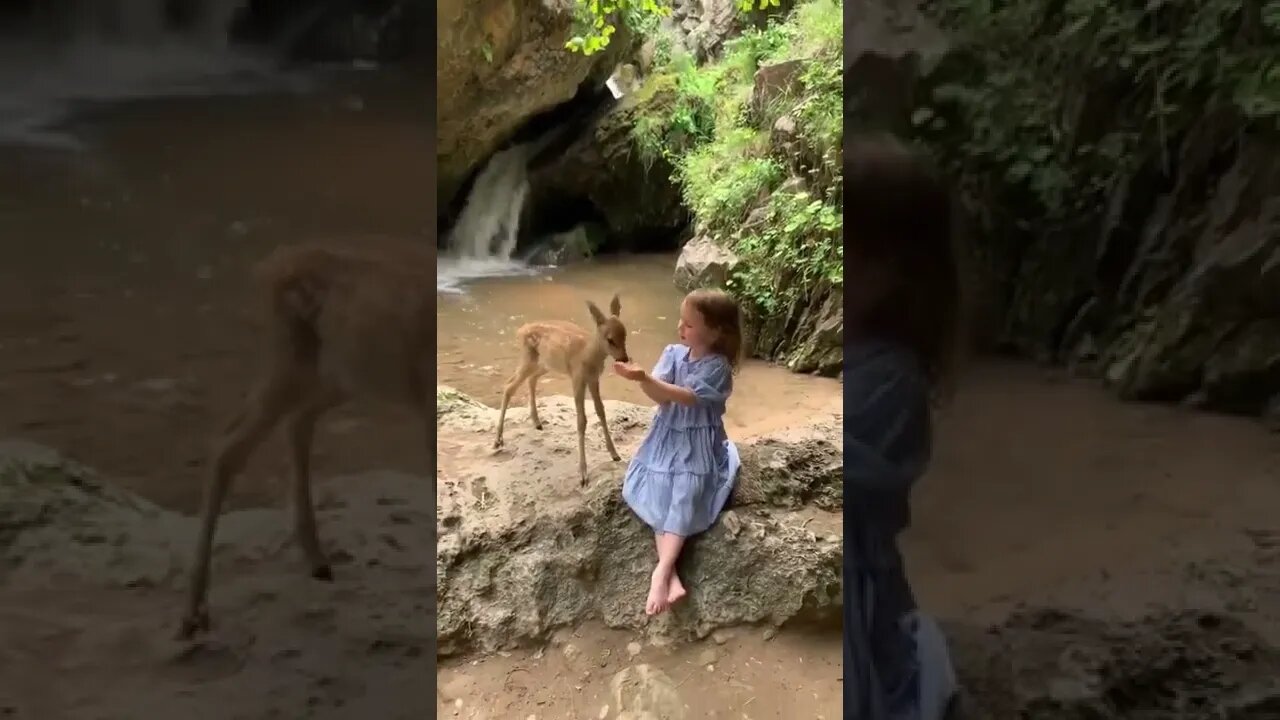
[
  {"x": 579, "y": 243},
  {"x": 703, "y": 262},
  {"x": 516, "y": 574}
]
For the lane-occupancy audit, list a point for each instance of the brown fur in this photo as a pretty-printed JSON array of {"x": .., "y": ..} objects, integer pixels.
[
  {"x": 344, "y": 321},
  {"x": 569, "y": 349}
]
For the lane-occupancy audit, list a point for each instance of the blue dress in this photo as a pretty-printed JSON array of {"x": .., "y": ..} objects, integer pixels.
[
  {"x": 683, "y": 473},
  {"x": 896, "y": 662}
]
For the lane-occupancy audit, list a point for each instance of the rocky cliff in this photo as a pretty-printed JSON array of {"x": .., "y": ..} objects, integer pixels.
[
  {"x": 500, "y": 62},
  {"x": 1122, "y": 219}
]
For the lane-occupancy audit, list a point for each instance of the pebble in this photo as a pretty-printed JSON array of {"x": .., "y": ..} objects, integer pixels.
[
  {"x": 708, "y": 657},
  {"x": 770, "y": 633},
  {"x": 633, "y": 649},
  {"x": 604, "y": 712},
  {"x": 570, "y": 651}
]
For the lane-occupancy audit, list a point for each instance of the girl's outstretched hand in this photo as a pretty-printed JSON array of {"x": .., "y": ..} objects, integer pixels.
[{"x": 629, "y": 371}]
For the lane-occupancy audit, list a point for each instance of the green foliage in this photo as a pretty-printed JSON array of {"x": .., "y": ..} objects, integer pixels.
[
  {"x": 596, "y": 21},
  {"x": 700, "y": 121},
  {"x": 796, "y": 245},
  {"x": 725, "y": 178},
  {"x": 1061, "y": 100}
]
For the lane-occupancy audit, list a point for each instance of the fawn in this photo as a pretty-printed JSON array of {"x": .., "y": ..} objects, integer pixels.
[
  {"x": 569, "y": 349},
  {"x": 344, "y": 321}
]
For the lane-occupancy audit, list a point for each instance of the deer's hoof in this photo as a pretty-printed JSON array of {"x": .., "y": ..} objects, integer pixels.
[
  {"x": 193, "y": 624},
  {"x": 497, "y": 444},
  {"x": 617, "y": 458},
  {"x": 322, "y": 572},
  {"x": 537, "y": 426}
]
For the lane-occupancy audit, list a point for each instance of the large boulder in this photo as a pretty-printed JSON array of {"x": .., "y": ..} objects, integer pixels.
[
  {"x": 703, "y": 262},
  {"x": 523, "y": 551},
  {"x": 499, "y": 62}
]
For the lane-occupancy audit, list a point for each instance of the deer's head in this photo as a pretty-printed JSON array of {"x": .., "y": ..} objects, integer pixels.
[{"x": 610, "y": 330}]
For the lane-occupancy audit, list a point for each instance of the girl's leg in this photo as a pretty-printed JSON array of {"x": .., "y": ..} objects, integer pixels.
[
  {"x": 675, "y": 588},
  {"x": 669, "y": 546},
  {"x": 656, "y": 589}
]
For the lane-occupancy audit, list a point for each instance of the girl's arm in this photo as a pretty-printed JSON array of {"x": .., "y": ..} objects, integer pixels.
[{"x": 660, "y": 391}]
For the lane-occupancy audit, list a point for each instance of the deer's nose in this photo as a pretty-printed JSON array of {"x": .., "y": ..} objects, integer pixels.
[{"x": 626, "y": 358}]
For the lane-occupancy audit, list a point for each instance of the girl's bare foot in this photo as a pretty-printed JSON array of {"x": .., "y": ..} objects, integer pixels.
[
  {"x": 658, "y": 585},
  {"x": 675, "y": 589}
]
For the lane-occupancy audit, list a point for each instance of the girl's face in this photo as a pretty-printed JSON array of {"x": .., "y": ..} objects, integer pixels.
[{"x": 693, "y": 328}]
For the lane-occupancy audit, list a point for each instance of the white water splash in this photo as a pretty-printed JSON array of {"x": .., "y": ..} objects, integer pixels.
[
  {"x": 117, "y": 51},
  {"x": 483, "y": 240}
]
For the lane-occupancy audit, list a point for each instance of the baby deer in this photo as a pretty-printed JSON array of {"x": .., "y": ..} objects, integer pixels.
[
  {"x": 569, "y": 349},
  {"x": 343, "y": 321}
]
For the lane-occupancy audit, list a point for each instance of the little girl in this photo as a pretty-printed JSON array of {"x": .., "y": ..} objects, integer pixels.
[
  {"x": 902, "y": 292},
  {"x": 683, "y": 473}
]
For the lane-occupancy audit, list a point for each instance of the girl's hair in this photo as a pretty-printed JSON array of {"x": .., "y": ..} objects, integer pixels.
[
  {"x": 898, "y": 211},
  {"x": 720, "y": 312}
]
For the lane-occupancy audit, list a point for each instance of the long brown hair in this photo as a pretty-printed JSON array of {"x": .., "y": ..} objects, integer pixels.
[
  {"x": 720, "y": 312},
  {"x": 898, "y": 212}
]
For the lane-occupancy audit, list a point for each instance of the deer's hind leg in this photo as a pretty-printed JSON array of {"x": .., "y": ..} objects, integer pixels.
[
  {"x": 538, "y": 372},
  {"x": 528, "y": 367},
  {"x": 301, "y": 428},
  {"x": 579, "y": 403},
  {"x": 263, "y": 409}
]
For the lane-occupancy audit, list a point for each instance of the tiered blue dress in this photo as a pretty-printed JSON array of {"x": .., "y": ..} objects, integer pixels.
[
  {"x": 683, "y": 473},
  {"x": 896, "y": 661}
]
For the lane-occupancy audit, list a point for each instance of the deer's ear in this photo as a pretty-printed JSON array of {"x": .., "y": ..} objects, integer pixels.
[
  {"x": 595, "y": 313},
  {"x": 615, "y": 306}
]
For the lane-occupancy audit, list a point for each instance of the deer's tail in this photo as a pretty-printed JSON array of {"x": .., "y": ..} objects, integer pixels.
[{"x": 296, "y": 297}]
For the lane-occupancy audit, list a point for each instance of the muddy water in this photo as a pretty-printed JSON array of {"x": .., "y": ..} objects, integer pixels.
[
  {"x": 477, "y": 349},
  {"x": 127, "y": 328}
]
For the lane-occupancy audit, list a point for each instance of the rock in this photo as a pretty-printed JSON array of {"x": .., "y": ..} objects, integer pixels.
[
  {"x": 773, "y": 83},
  {"x": 499, "y": 62},
  {"x": 633, "y": 194},
  {"x": 1207, "y": 325},
  {"x": 889, "y": 47},
  {"x": 704, "y": 263},
  {"x": 575, "y": 245},
  {"x": 57, "y": 516},
  {"x": 643, "y": 691},
  {"x": 1056, "y": 665},
  {"x": 512, "y": 572}
]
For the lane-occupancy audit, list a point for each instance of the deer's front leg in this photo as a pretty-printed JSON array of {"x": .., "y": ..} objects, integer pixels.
[
  {"x": 594, "y": 386},
  {"x": 580, "y": 403}
]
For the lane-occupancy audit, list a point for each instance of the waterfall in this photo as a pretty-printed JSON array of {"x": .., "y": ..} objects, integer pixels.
[
  {"x": 483, "y": 240},
  {"x": 76, "y": 51}
]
